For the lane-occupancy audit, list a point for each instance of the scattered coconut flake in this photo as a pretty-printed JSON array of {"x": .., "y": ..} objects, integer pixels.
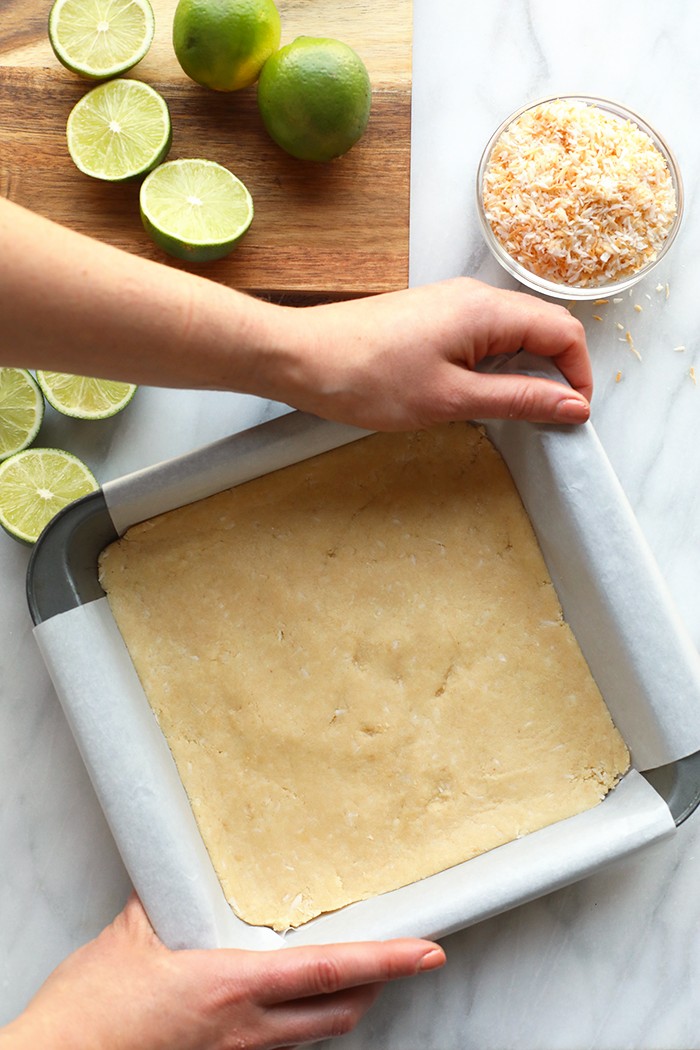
[
  {"x": 619, "y": 326},
  {"x": 618, "y": 300},
  {"x": 678, "y": 349},
  {"x": 597, "y": 317},
  {"x": 638, "y": 308},
  {"x": 618, "y": 377},
  {"x": 578, "y": 195},
  {"x": 691, "y": 373},
  {"x": 630, "y": 343}
]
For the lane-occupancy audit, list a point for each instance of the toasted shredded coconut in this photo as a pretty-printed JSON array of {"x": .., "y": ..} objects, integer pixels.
[
  {"x": 578, "y": 195},
  {"x": 630, "y": 342}
]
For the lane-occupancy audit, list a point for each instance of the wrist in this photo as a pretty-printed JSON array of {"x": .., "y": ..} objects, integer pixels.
[{"x": 272, "y": 353}]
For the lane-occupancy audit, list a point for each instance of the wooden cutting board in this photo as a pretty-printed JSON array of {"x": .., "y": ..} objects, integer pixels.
[{"x": 320, "y": 231}]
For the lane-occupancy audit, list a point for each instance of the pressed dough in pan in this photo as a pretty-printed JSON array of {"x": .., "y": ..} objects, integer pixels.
[{"x": 361, "y": 668}]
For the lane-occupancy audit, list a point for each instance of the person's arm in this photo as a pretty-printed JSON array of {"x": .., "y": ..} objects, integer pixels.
[
  {"x": 126, "y": 991},
  {"x": 402, "y": 360}
]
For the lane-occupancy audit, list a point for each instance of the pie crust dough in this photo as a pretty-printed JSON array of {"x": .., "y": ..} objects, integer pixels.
[{"x": 361, "y": 668}]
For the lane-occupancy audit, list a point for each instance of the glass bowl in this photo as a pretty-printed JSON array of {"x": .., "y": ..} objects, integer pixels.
[{"x": 563, "y": 290}]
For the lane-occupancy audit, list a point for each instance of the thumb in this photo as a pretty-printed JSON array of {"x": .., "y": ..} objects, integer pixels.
[{"x": 524, "y": 397}]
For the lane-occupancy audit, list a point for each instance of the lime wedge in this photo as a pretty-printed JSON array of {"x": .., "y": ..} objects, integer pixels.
[
  {"x": 35, "y": 485},
  {"x": 21, "y": 410},
  {"x": 100, "y": 38},
  {"x": 195, "y": 209},
  {"x": 119, "y": 130},
  {"x": 84, "y": 398}
]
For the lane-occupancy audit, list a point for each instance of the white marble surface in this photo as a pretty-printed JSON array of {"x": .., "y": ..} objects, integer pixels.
[{"x": 613, "y": 962}]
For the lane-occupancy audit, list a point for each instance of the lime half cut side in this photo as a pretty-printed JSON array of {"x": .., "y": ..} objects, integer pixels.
[
  {"x": 82, "y": 397},
  {"x": 195, "y": 209},
  {"x": 119, "y": 130},
  {"x": 99, "y": 39},
  {"x": 21, "y": 410},
  {"x": 35, "y": 485}
]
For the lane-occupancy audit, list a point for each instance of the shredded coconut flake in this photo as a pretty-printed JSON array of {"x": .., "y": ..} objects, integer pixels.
[
  {"x": 578, "y": 195},
  {"x": 630, "y": 342}
]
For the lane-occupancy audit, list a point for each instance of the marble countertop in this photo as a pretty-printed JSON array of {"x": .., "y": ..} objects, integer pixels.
[{"x": 614, "y": 961}]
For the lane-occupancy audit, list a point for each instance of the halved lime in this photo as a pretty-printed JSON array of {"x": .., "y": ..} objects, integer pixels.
[
  {"x": 100, "y": 38},
  {"x": 119, "y": 130},
  {"x": 195, "y": 209},
  {"x": 21, "y": 410},
  {"x": 35, "y": 484},
  {"x": 82, "y": 397}
]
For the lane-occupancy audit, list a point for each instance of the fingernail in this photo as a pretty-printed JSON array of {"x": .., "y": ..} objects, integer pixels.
[
  {"x": 572, "y": 410},
  {"x": 431, "y": 960}
]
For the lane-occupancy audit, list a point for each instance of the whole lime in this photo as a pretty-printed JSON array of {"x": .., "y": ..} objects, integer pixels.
[
  {"x": 223, "y": 44},
  {"x": 314, "y": 97}
]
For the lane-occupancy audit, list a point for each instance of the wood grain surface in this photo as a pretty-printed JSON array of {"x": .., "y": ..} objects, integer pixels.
[{"x": 320, "y": 231}]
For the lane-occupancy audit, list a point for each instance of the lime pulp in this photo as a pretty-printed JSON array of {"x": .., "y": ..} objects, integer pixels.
[
  {"x": 99, "y": 39},
  {"x": 35, "y": 485},
  {"x": 82, "y": 397},
  {"x": 118, "y": 130},
  {"x": 195, "y": 209},
  {"x": 21, "y": 410}
]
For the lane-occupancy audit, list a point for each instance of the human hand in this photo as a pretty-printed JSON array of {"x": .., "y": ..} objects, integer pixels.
[
  {"x": 406, "y": 359},
  {"x": 399, "y": 361},
  {"x": 126, "y": 991}
]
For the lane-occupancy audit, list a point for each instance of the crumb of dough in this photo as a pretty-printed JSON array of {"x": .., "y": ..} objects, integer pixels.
[{"x": 360, "y": 665}]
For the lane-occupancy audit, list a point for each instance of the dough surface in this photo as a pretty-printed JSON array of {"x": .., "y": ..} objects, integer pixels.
[{"x": 361, "y": 668}]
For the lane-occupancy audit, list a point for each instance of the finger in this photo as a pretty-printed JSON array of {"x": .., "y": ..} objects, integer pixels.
[
  {"x": 546, "y": 330},
  {"x": 295, "y": 973},
  {"x": 571, "y": 358},
  {"x": 562, "y": 338},
  {"x": 530, "y": 398},
  {"x": 133, "y": 922},
  {"x": 324, "y": 1017}
]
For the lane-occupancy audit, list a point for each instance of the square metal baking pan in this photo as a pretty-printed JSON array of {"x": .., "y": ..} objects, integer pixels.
[{"x": 63, "y": 587}]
